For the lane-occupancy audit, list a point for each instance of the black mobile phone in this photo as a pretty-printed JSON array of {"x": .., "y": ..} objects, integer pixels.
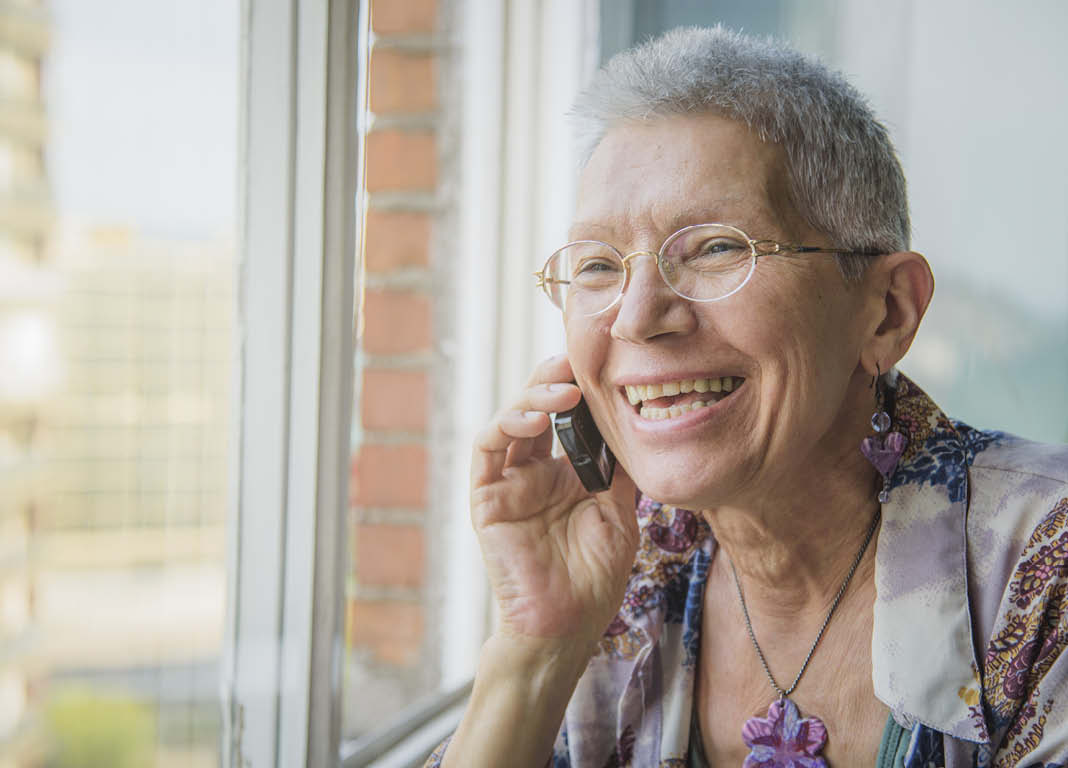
[{"x": 592, "y": 459}]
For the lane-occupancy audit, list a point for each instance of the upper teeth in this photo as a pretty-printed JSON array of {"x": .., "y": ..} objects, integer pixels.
[{"x": 636, "y": 393}]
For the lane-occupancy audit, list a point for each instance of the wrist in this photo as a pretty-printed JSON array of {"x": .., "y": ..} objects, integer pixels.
[
  {"x": 520, "y": 695},
  {"x": 542, "y": 664}
]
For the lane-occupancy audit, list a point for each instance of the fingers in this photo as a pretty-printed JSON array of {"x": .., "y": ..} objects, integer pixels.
[
  {"x": 542, "y": 445},
  {"x": 522, "y": 429},
  {"x": 555, "y": 369},
  {"x": 528, "y": 416},
  {"x": 521, "y": 450},
  {"x": 500, "y": 439},
  {"x": 539, "y": 447},
  {"x": 551, "y": 369}
]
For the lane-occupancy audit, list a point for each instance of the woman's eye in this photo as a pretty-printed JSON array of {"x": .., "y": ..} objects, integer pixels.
[
  {"x": 715, "y": 255},
  {"x": 596, "y": 265},
  {"x": 718, "y": 248}
]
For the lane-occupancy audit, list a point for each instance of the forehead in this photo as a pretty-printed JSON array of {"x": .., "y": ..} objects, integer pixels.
[{"x": 655, "y": 177}]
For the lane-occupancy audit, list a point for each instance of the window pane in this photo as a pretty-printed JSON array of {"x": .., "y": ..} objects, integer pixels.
[
  {"x": 393, "y": 657},
  {"x": 469, "y": 188},
  {"x": 117, "y": 174},
  {"x": 404, "y": 611}
]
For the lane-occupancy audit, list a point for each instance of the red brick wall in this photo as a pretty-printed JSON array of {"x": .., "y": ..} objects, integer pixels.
[{"x": 387, "y": 622}]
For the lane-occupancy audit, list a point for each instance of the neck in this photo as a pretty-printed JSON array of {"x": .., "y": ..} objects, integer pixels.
[{"x": 792, "y": 547}]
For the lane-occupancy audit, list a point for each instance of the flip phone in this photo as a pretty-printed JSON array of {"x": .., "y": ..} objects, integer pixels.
[{"x": 592, "y": 459}]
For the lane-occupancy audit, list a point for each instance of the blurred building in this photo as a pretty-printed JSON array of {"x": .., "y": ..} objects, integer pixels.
[
  {"x": 25, "y": 206},
  {"x": 26, "y": 372},
  {"x": 115, "y": 385},
  {"x": 114, "y": 491},
  {"x": 130, "y": 477}
]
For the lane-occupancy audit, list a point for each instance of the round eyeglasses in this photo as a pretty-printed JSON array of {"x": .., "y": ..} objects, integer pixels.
[{"x": 703, "y": 262}]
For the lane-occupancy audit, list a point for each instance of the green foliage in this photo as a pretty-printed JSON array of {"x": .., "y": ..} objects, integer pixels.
[{"x": 89, "y": 729}]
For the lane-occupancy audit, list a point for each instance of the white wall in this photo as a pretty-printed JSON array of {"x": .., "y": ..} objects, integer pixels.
[{"x": 974, "y": 96}]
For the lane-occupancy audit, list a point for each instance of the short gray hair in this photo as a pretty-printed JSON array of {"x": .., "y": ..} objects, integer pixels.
[{"x": 844, "y": 177}]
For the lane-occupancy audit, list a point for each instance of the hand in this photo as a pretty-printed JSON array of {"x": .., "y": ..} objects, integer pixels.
[{"x": 558, "y": 558}]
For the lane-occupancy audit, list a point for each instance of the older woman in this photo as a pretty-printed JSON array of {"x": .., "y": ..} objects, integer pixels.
[{"x": 860, "y": 578}]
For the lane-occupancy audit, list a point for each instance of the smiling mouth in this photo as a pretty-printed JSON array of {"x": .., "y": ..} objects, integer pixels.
[{"x": 671, "y": 399}]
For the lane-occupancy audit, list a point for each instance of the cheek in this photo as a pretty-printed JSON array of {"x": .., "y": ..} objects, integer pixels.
[
  {"x": 802, "y": 340},
  {"x": 811, "y": 321},
  {"x": 585, "y": 350},
  {"x": 772, "y": 324},
  {"x": 819, "y": 355}
]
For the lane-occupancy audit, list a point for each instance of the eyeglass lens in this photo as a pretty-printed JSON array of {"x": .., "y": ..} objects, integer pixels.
[{"x": 703, "y": 263}]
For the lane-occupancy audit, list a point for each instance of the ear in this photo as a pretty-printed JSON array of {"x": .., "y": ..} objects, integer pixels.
[{"x": 900, "y": 288}]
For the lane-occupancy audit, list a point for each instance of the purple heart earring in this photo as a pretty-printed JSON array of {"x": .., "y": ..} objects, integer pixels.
[{"x": 884, "y": 449}]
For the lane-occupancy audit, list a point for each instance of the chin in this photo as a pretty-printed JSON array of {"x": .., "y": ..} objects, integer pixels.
[
  {"x": 668, "y": 487},
  {"x": 683, "y": 479}
]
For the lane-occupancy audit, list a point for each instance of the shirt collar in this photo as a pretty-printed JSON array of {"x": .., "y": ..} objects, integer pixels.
[{"x": 923, "y": 653}]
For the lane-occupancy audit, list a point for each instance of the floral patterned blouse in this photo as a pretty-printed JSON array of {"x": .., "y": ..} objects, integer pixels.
[{"x": 970, "y": 619}]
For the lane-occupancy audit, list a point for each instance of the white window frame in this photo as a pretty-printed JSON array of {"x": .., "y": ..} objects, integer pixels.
[
  {"x": 523, "y": 65},
  {"x": 284, "y": 644},
  {"x": 294, "y": 349}
]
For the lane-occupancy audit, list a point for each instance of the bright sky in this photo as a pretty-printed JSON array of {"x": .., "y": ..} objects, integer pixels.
[{"x": 142, "y": 100}]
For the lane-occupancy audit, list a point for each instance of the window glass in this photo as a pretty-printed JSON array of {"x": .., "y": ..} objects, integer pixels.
[
  {"x": 393, "y": 659},
  {"x": 464, "y": 138},
  {"x": 993, "y": 349},
  {"x": 117, "y": 176}
]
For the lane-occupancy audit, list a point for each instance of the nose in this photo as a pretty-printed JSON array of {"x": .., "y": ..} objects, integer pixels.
[{"x": 648, "y": 307}]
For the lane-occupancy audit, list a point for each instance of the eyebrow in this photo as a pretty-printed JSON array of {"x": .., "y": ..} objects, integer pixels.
[{"x": 683, "y": 218}]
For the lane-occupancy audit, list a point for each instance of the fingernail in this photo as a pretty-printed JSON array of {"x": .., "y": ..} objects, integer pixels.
[
  {"x": 531, "y": 414},
  {"x": 559, "y": 387}
]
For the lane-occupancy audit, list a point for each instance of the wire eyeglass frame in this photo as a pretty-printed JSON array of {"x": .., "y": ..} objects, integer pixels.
[{"x": 757, "y": 249}]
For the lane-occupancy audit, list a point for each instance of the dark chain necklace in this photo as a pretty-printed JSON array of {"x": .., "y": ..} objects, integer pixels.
[{"x": 806, "y": 736}]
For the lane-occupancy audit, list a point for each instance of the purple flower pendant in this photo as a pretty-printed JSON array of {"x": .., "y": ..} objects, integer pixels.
[{"x": 784, "y": 739}]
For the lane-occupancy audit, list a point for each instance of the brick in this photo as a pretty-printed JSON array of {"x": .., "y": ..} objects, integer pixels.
[
  {"x": 396, "y": 323},
  {"x": 395, "y": 399},
  {"x": 395, "y": 240},
  {"x": 393, "y": 631},
  {"x": 390, "y": 555},
  {"x": 401, "y": 82},
  {"x": 399, "y": 161},
  {"x": 389, "y": 476},
  {"x": 404, "y": 17}
]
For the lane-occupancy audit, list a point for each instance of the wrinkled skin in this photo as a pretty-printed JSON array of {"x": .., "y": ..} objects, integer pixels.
[
  {"x": 795, "y": 332},
  {"x": 774, "y": 468},
  {"x": 556, "y": 557}
]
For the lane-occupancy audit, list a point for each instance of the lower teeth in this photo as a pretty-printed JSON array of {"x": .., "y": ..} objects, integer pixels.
[{"x": 674, "y": 411}]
